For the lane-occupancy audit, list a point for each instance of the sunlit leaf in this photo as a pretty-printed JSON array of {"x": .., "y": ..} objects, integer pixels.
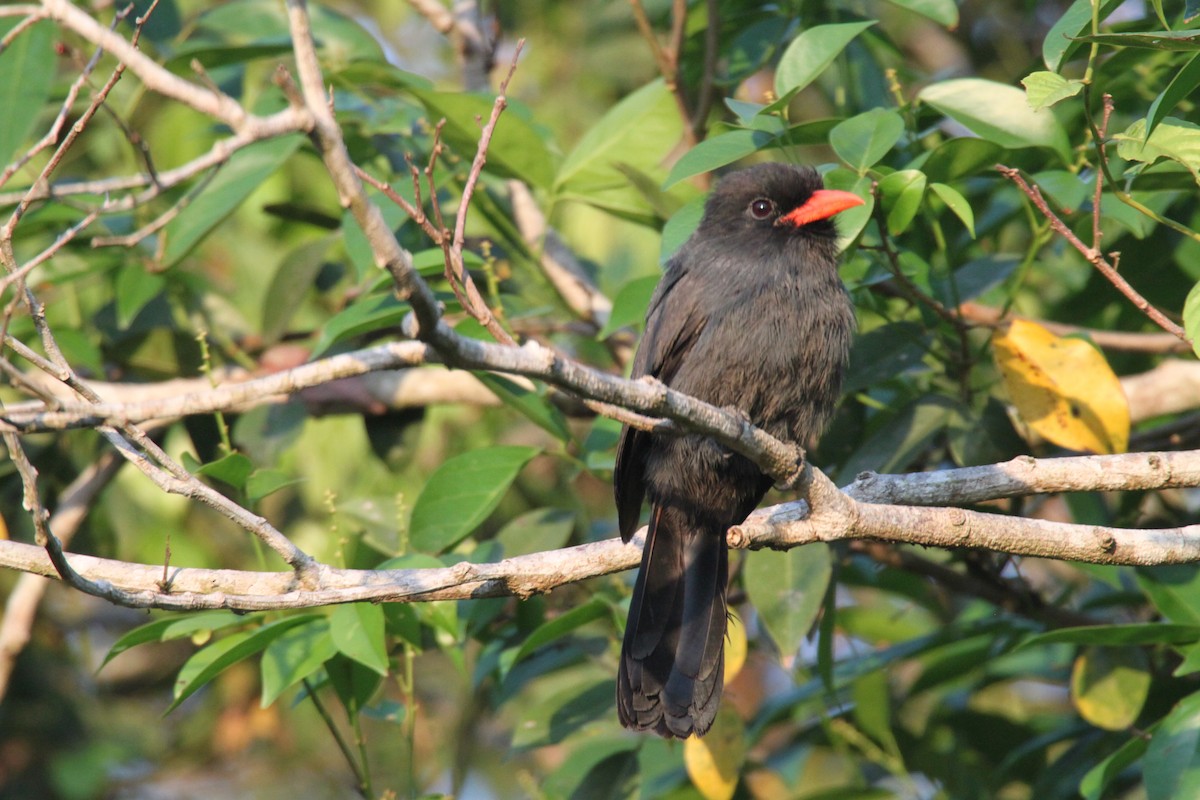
[
  {"x": 997, "y": 112},
  {"x": 957, "y": 204},
  {"x": 177, "y": 627},
  {"x": 1044, "y": 89},
  {"x": 1063, "y": 389},
  {"x": 810, "y": 53},
  {"x": 236, "y": 180},
  {"x": 294, "y": 656},
  {"x": 639, "y": 131},
  {"x": 213, "y": 659},
  {"x": 462, "y": 492},
  {"x": 629, "y": 306},
  {"x": 357, "y": 632},
  {"x": 717, "y": 151},
  {"x": 714, "y": 763},
  {"x": 863, "y": 140},
  {"x": 1175, "y": 139},
  {"x": 1191, "y": 317},
  {"x": 1109, "y": 685},
  {"x": 902, "y": 193}
]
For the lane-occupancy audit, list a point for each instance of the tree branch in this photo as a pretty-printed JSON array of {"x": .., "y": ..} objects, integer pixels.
[{"x": 837, "y": 516}]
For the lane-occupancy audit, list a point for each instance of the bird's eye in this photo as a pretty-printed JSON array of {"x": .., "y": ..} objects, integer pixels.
[{"x": 761, "y": 208}]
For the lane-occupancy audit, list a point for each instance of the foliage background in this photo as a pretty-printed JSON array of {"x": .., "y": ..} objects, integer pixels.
[{"x": 932, "y": 674}]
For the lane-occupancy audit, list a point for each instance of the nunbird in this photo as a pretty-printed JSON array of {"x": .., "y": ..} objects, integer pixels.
[{"x": 750, "y": 315}]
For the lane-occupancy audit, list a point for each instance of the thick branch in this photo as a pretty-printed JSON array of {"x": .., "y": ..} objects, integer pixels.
[{"x": 837, "y": 516}]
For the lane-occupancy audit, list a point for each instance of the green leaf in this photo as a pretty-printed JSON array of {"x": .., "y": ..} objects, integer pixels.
[
  {"x": 533, "y": 404},
  {"x": 233, "y": 469},
  {"x": 1065, "y": 187},
  {"x": 560, "y": 626},
  {"x": 176, "y": 627},
  {"x": 718, "y": 151},
  {"x": 222, "y": 654},
  {"x": 960, "y": 158},
  {"x": 957, "y": 204},
  {"x": 246, "y": 171},
  {"x": 787, "y": 588},
  {"x": 863, "y": 140},
  {"x": 902, "y": 193},
  {"x": 1171, "y": 767},
  {"x": 357, "y": 631},
  {"x": 1044, "y": 89},
  {"x": 1175, "y": 139},
  {"x": 1127, "y": 635},
  {"x": 679, "y": 227},
  {"x": 461, "y": 494},
  {"x": 1174, "y": 590},
  {"x": 587, "y": 771},
  {"x": 901, "y": 438},
  {"x": 1100, "y": 776},
  {"x": 885, "y": 353},
  {"x": 536, "y": 531},
  {"x": 1181, "y": 87},
  {"x": 997, "y": 112},
  {"x": 354, "y": 683},
  {"x": 550, "y": 719},
  {"x": 290, "y": 284},
  {"x": 516, "y": 150},
  {"x": 263, "y": 482},
  {"x": 811, "y": 52},
  {"x": 294, "y": 656},
  {"x": 135, "y": 288},
  {"x": 943, "y": 12},
  {"x": 1191, "y": 317},
  {"x": 27, "y": 71},
  {"x": 1170, "y": 41},
  {"x": 639, "y": 131},
  {"x": 366, "y": 314},
  {"x": 630, "y": 304},
  {"x": 1060, "y": 41}
]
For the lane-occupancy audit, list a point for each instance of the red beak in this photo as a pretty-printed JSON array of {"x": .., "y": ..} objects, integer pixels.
[{"x": 823, "y": 204}]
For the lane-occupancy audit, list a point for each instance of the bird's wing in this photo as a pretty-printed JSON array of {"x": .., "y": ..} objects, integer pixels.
[{"x": 672, "y": 328}]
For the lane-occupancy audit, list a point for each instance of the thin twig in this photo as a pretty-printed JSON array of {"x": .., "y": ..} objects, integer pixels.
[{"x": 1093, "y": 256}]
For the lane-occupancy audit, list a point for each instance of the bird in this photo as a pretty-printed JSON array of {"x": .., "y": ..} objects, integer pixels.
[{"x": 750, "y": 315}]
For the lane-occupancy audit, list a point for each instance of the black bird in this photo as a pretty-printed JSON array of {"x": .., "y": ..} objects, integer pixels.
[{"x": 750, "y": 314}]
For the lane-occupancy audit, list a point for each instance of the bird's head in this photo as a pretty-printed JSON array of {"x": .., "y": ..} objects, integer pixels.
[{"x": 777, "y": 196}]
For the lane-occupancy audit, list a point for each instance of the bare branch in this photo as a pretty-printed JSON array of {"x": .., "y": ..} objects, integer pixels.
[
  {"x": 836, "y": 516},
  {"x": 1094, "y": 256}
]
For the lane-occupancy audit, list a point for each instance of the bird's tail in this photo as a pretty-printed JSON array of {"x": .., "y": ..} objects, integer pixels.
[{"x": 673, "y": 658}]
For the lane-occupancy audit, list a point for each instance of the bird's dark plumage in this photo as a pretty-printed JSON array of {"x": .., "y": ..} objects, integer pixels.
[{"x": 750, "y": 314}]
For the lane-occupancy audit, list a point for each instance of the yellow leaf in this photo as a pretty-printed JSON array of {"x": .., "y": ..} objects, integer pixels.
[
  {"x": 715, "y": 762},
  {"x": 735, "y": 647},
  {"x": 1109, "y": 685},
  {"x": 1063, "y": 389}
]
